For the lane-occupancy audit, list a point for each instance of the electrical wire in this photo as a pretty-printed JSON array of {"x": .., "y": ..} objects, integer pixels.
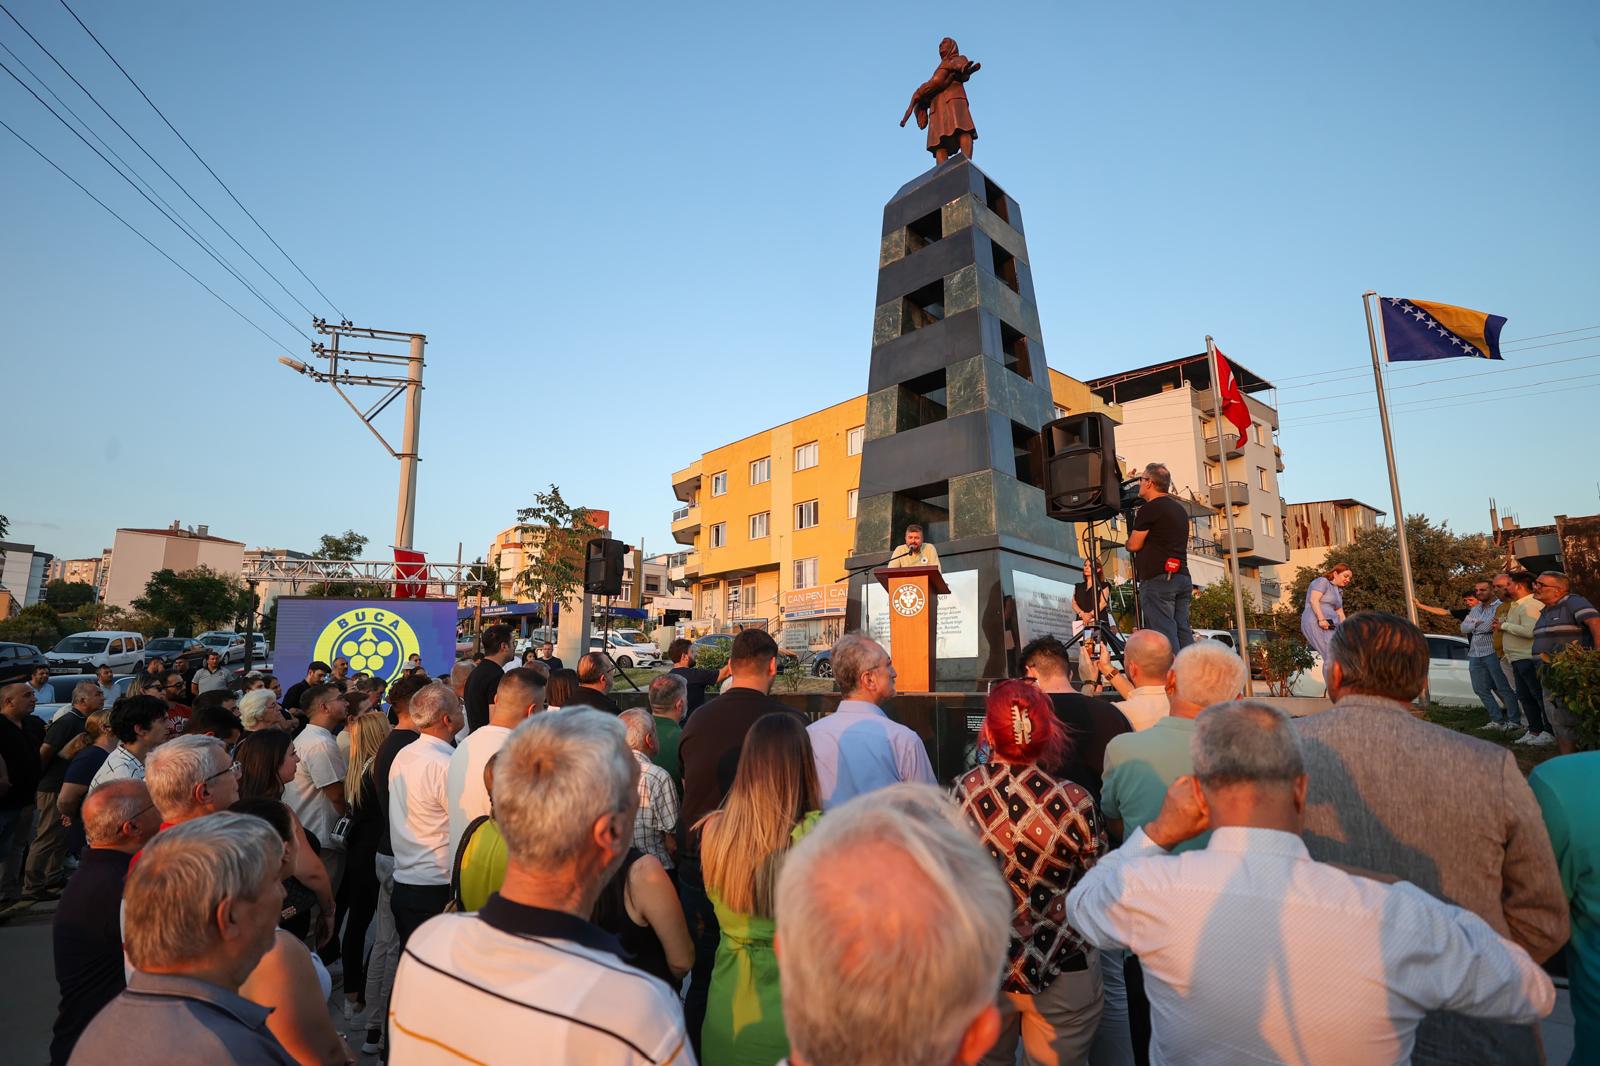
[
  {"x": 181, "y": 187},
  {"x": 218, "y": 259},
  {"x": 183, "y": 223},
  {"x": 1431, "y": 402},
  {"x": 1446, "y": 381},
  {"x": 220, "y": 299},
  {"x": 1363, "y": 368},
  {"x": 203, "y": 163}
]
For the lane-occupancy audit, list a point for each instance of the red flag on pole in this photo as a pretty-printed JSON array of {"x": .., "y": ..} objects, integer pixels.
[
  {"x": 1234, "y": 408},
  {"x": 411, "y": 574}
]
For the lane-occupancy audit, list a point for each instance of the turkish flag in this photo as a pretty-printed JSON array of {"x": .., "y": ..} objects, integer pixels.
[
  {"x": 411, "y": 574},
  {"x": 1233, "y": 405}
]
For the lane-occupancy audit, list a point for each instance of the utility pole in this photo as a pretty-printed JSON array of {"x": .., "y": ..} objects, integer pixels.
[{"x": 393, "y": 386}]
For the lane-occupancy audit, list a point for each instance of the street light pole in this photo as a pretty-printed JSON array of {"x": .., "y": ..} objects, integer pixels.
[{"x": 411, "y": 385}]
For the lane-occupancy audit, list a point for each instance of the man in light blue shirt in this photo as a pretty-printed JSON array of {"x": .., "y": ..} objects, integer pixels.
[
  {"x": 858, "y": 748},
  {"x": 1483, "y": 663}
]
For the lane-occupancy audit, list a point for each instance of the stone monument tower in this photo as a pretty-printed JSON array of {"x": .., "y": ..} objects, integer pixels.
[{"x": 957, "y": 390}]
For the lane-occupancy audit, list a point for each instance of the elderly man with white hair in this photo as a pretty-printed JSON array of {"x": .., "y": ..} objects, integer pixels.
[
  {"x": 1254, "y": 952},
  {"x": 893, "y": 926},
  {"x": 202, "y": 908},
  {"x": 190, "y": 777},
  {"x": 653, "y": 829},
  {"x": 528, "y": 974},
  {"x": 419, "y": 810},
  {"x": 1148, "y": 656},
  {"x": 859, "y": 748}
]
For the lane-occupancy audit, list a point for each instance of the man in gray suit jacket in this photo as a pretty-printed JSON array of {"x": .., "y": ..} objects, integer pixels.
[{"x": 1396, "y": 795}]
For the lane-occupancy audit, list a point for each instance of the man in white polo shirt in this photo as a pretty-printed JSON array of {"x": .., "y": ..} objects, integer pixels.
[
  {"x": 520, "y": 694},
  {"x": 419, "y": 811},
  {"x": 317, "y": 791},
  {"x": 528, "y": 976}
]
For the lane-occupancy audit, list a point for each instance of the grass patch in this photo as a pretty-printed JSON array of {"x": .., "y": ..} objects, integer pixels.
[{"x": 1473, "y": 721}]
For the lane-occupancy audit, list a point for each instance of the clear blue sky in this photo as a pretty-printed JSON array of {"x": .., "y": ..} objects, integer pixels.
[{"x": 634, "y": 232}]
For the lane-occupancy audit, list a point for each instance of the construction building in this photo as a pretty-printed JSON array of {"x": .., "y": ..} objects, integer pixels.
[{"x": 1318, "y": 526}]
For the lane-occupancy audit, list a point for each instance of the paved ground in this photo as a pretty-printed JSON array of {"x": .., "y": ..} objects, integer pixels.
[{"x": 29, "y": 1006}]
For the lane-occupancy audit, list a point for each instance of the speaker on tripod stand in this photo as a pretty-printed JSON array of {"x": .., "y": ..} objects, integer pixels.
[
  {"x": 1082, "y": 481},
  {"x": 602, "y": 566}
]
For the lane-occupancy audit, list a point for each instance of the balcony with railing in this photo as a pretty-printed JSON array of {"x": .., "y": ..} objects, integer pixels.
[
  {"x": 686, "y": 524},
  {"x": 1235, "y": 446},
  {"x": 1234, "y": 492},
  {"x": 686, "y": 483},
  {"x": 1244, "y": 538},
  {"x": 1277, "y": 454}
]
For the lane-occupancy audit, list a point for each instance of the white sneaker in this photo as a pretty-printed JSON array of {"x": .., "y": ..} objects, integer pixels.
[
  {"x": 1527, "y": 738},
  {"x": 1544, "y": 740}
]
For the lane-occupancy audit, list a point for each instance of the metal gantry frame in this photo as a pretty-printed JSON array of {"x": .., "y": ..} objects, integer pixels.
[
  {"x": 457, "y": 576},
  {"x": 393, "y": 386}
]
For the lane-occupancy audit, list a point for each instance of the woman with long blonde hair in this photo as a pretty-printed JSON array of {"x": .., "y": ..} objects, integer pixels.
[
  {"x": 361, "y": 852},
  {"x": 773, "y": 802}
]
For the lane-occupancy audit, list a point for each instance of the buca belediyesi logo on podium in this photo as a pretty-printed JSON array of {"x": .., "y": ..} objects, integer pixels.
[
  {"x": 909, "y": 600},
  {"x": 375, "y": 641}
]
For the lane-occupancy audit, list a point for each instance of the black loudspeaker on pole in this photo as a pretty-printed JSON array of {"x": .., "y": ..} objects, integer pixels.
[
  {"x": 602, "y": 566},
  {"x": 1082, "y": 480}
]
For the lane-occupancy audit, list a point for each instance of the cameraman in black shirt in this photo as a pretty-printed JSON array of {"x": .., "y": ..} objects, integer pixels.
[{"x": 1160, "y": 547}]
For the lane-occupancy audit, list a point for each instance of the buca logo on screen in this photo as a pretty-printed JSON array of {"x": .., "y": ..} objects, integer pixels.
[{"x": 376, "y": 642}]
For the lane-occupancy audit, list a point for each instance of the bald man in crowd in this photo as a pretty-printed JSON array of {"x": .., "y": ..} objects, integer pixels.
[{"x": 1148, "y": 657}]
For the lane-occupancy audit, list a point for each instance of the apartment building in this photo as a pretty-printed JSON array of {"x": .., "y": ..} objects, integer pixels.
[
  {"x": 769, "y": 520},
  {"x": 1167, "y": 417},
  {"x": 136, "y": 554},
  {"x": 23, "y": 571},
  {"x": 1320, "y": 525}
]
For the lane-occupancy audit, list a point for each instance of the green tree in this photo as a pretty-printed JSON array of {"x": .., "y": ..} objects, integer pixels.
[
  {"x": 38, "y": 625},
  {"x": 346, "y": 545},
  {"x": 194, "y": 600},
  {"x": 1443, "y": 563},
  {"x": 1212, "y": 607},
  {"x": 555, "y": 534},
  {"x": 68, "y": 595}
]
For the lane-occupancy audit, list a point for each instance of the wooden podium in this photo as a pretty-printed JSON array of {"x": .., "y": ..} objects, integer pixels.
[{"x": 913, "y": 622}]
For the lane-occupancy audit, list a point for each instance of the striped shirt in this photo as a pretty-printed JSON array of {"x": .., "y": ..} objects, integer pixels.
[
  {"x": 658, "y": 810},
  {"x": 514, "y": 983},
  {"x": 1563, "y": 622},
  {"x": 120, "y": 765}
]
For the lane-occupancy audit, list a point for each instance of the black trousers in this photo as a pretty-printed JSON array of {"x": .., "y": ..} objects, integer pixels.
[
  {"x": 706, "y": 933},
  {"x": 414, "y": 904}
]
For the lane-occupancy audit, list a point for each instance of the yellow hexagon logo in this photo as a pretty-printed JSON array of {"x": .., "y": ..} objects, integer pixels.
[{"x": 375, "y": 640}]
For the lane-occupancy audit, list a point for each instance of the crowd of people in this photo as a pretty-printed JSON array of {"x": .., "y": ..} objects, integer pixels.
[{"x": 501, "y": 865}]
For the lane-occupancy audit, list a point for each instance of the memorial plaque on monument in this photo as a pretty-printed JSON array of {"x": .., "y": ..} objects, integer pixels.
[{"x": 957, "y": 390}]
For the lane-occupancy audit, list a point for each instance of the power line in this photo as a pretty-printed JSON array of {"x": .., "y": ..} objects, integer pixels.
[
  {"x": 203, "y": 163},
  {"x": 1314, "y": 419},
  {"x": 181, "y": 187},
  {"x": 1366, "y": 414},
  {"x": 252, "y": 323},
  {"x": 219, "y": 260},
  {"x": 1363, "y": 367},
  {"x": 102, "y": 141},
  {"x": 1446, "y": 381}
]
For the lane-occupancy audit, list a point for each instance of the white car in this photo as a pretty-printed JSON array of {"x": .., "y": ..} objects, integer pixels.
[
  {"x": 637, "y": 638},
  {"x": 625, "y": 654},
  {"x": 87, "y": 652},
  {"x": 1449, "y": 679}
]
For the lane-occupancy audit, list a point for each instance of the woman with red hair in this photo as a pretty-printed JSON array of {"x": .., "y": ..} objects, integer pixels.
[{"x": 1045, "y": 832}]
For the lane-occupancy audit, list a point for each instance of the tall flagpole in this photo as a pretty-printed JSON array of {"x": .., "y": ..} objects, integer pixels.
[
  {"x": 1388, "y": 454},
  {"x": 1227, "y": 503}
]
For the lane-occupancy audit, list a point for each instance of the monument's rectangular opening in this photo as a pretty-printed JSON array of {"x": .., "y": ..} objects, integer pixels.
[
  {"x": 926, "y": 505},
  {"x": 924, "y": 231},
  {"x": 922, "y": 400},
  {"x": 1028, "y": 456},
  {"x": 1014, "y": 349},
  {"x": 995, "y": 198},
  {"x": 1005, "y": 267},
  {"x": 923, "y": 307}
]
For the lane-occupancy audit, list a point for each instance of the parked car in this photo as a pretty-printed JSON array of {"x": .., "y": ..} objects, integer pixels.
[
  {"x": 168, "y": 649},
  {"x": 1257, "y": 637},
  {"x": 226, "y": 644},
  {"x": 637, "y": 638},
  {"x": 822, "y": 663},
  {"x": 723, "y": 642},
  {"x": 263, "y": 650},
  {"x": 1449, "y": 680},
  {"x": 18, "y": 661},
  {"x": 88, "y": 651},
  {"x": 625, "y": 653},
  {"x": 65, "y": 683}
]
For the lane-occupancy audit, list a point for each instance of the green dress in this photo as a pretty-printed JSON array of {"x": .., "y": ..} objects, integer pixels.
[{"x": 744, "y": 1005}]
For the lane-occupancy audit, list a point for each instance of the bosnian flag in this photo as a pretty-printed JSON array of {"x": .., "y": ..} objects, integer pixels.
[
  {"x": 1422, "y": 329},
  {"x": 411, "y": 574},
  {"x": 1234, "y": 408}
]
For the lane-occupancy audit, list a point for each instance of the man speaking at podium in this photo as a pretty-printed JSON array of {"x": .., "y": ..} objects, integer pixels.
[{"x": 914, "y": 552}]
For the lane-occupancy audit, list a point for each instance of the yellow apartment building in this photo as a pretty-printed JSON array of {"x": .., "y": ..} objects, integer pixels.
[{"x": 769, "y": 520}]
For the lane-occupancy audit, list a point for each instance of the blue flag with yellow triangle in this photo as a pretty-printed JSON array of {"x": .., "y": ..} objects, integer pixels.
[{"x": 1424, "y": 329}]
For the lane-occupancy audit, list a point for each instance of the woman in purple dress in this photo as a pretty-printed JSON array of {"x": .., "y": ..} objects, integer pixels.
[{"x": 1325, "y": 609}]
